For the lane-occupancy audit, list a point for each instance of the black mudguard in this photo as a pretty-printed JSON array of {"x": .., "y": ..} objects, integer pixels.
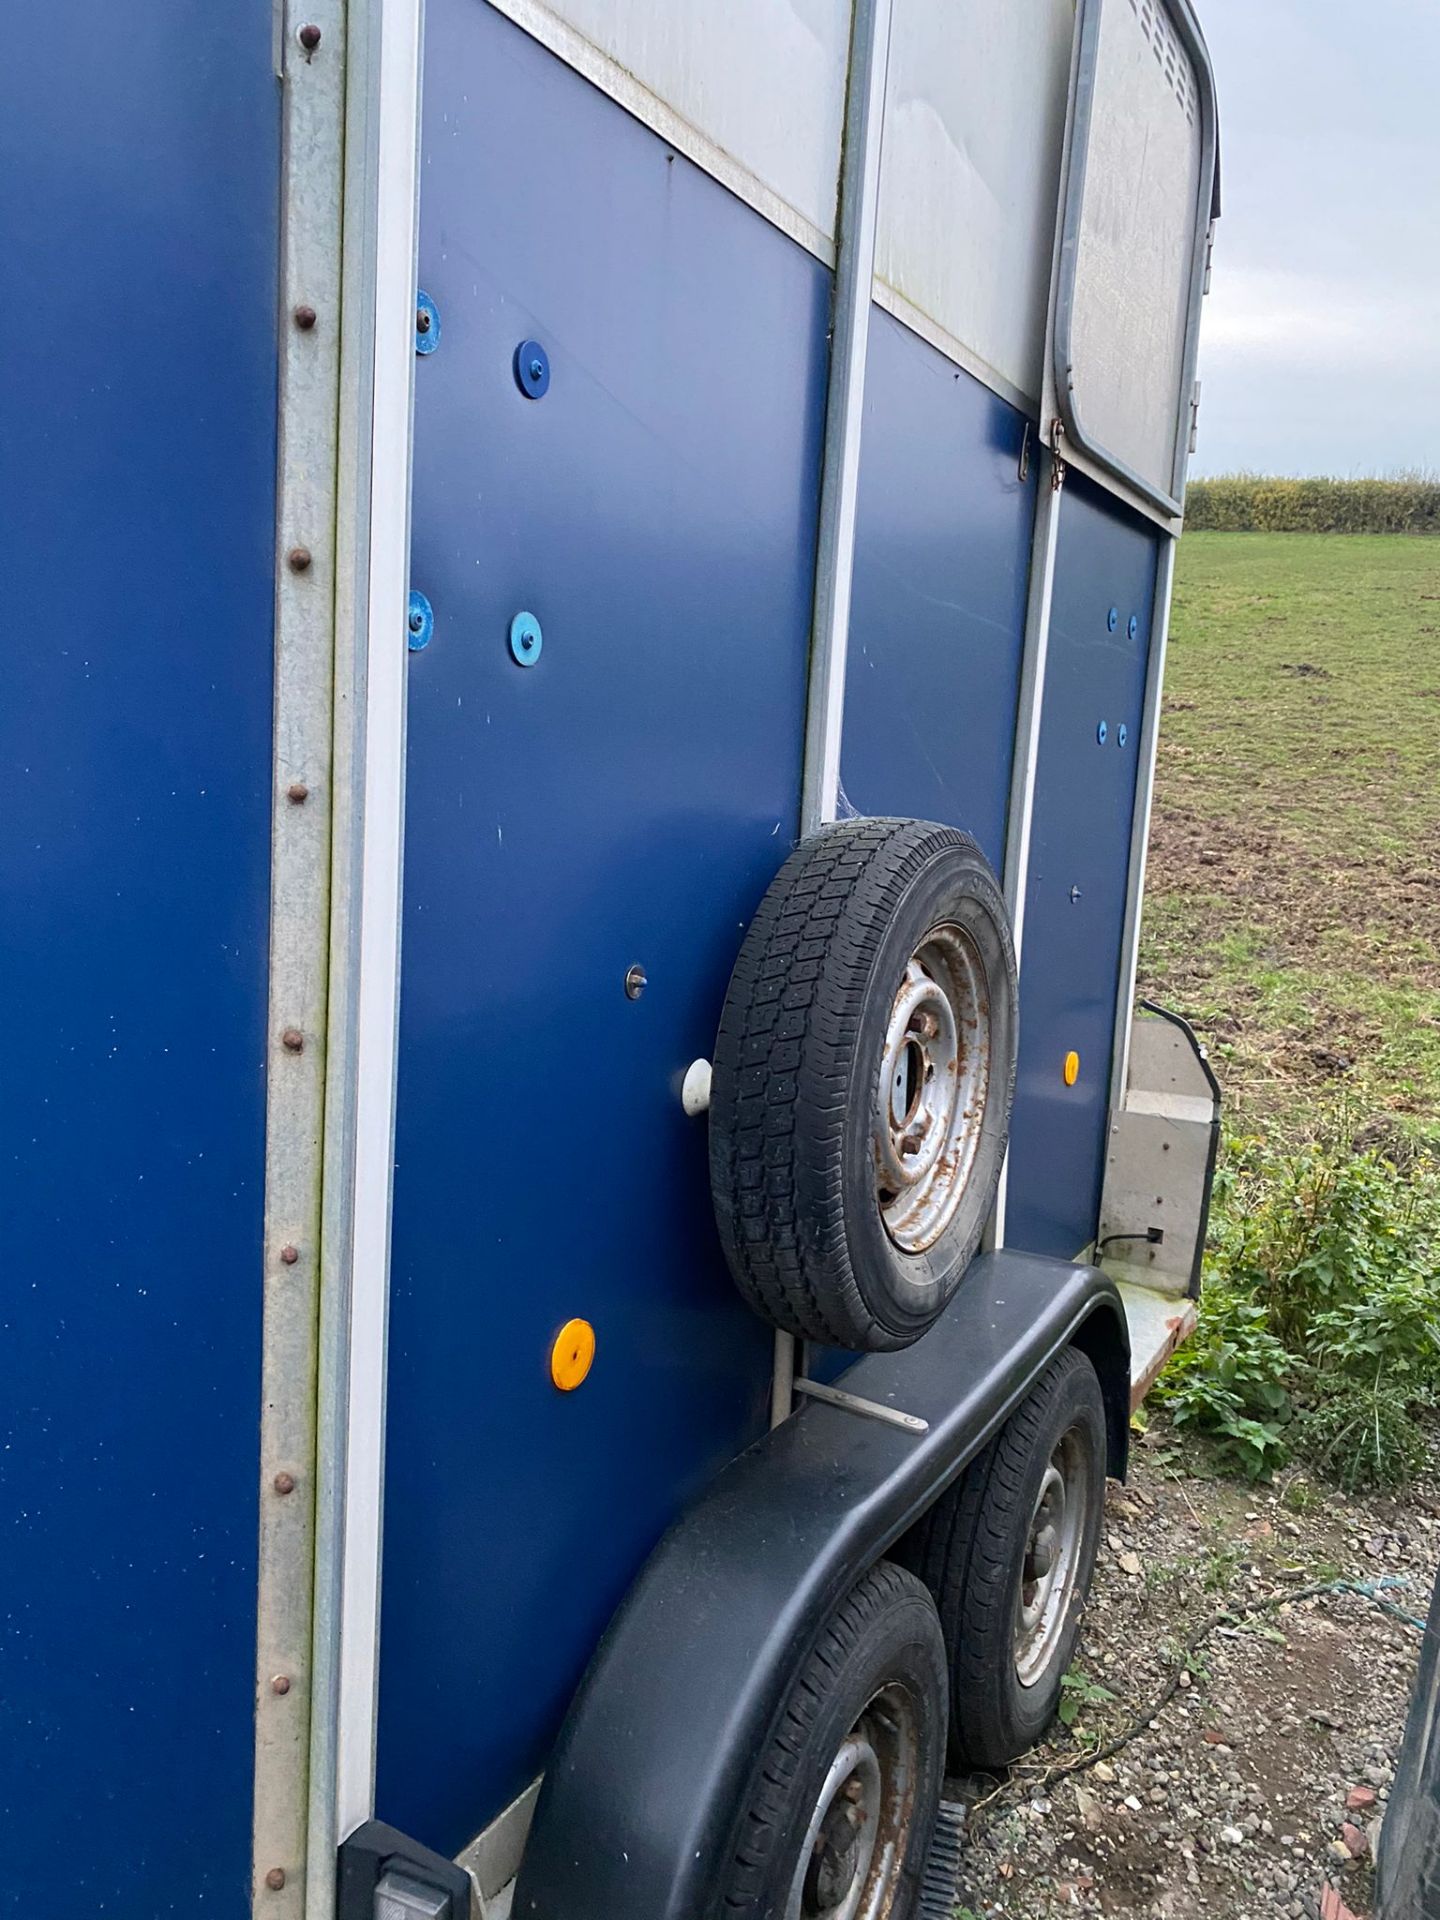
[{"x": 636, "y": 1817}]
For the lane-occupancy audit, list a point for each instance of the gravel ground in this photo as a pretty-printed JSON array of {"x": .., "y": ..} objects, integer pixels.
[{"x": 1264, "y": 1778}]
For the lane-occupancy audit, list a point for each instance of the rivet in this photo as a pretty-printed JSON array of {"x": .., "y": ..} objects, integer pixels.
[
  {"x": 284, "y": 1483},
  {"x": 297, "y": 793},
  {"x": 532, "y": 369},
  {"x": 299, "y": 558},
  {"x": 1102, "y": 732},
  {"x": 281, "y": 1683},
  {"x": 1112, "y": 619},
  {"x": 289, "y": 1255},
  {"x": 526, "y": 640},
  {"x": 304, "y": 319},
  {"x": 1134, "y": 625},
  {"x": 275, "y": 1879},
  {"x": 1122, "y": 734},
  {"x": 636, "y": 981},
  {"x": 427, "y": 322},
  {"x": 292, "y": 1039},
  {"x": 309, "y": 37}
]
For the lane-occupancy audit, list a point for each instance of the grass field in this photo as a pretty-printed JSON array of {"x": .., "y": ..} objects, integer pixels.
[{"x": 1293, "y": 900}]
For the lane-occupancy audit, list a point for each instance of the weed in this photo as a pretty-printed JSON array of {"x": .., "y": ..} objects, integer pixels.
[
  {"x": 1078, "y": 1691},
  {"x": 1319, "y": 1326}
]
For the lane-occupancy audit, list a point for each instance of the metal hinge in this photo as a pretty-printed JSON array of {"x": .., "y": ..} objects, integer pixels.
[
  {"x": 1209, "y": 255},
  {"x": 1194, "y": 416}
]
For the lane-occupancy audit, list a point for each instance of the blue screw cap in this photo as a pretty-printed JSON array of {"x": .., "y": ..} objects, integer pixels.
[
  {"x": 1134, "y": 626},
  {"x": 427, "y": 324},
  {"x": 420, "y": 623},
  {"x": 1102, "y": 733},
  {"x": 532, "y": 369},
  {"x": 1122, "y": 734},
  {"x": 526, "y": 639},
  {"x": 1112, "y": 619}
]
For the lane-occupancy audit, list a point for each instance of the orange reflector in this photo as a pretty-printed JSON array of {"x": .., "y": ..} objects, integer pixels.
[
  {"x": 1072, "y": 1068},
  {"x": 572, "y": 1355}
]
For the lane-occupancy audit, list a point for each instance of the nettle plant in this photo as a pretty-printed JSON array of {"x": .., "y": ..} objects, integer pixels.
[{"x": 1319, "y": 1324}]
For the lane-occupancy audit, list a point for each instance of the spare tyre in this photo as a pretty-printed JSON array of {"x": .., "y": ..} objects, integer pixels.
[{"x": 863, "y": 1078}]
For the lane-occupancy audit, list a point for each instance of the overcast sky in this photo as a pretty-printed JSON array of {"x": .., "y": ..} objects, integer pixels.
[{"x": 1320, "y": 345}]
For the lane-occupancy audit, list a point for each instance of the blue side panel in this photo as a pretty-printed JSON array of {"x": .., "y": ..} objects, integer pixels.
[
  {"x": 622, "y": 802},
  {"x": 942, "y": 562},
  {"x": 1079, "y": 864},
  {"x": 139, "y": 155}
]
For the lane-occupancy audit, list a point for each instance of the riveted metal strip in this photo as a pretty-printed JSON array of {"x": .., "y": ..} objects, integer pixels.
[{"x": 312, "y": 75}]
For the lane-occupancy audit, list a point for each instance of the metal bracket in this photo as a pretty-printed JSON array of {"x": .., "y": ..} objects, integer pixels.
[{"x": 852, "y": 1403}]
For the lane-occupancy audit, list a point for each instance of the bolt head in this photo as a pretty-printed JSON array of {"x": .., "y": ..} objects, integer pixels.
[
  {"x": 417, "y": 621},
  {"x": 281, "y": 1683},
  {"x": 275, "y": 1879},
  {"x": 537, "y": 367},
  {"x": 297, "y": 793},
  {"x": 299, "y": 558},
  {"x": 422, "y": 320},
  {"x": 309, "y": 37},
  {"x": 289, "y": 1255},
  {"x": 292, "y": 1039},
  {"x": 284, "y": 1483},
  {"x": 636, "y": 981},
  {"x": 305, "y": 318}
]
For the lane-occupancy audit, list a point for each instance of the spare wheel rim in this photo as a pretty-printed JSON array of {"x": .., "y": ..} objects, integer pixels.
[{"x": 930, "y": 1099}]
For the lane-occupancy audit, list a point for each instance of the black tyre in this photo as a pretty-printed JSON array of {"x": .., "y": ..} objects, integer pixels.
[
  {"x": 1008, "y": 1553},
  {"x": 863, "y": 1077},
  {"x": 841, "y": 1805}
]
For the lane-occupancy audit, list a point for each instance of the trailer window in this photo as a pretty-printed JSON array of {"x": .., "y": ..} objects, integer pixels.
[
  {"x": 763, "y": 83},
  {"x": 1135, "y": 221},
  {"x": 970, "y": 174}
]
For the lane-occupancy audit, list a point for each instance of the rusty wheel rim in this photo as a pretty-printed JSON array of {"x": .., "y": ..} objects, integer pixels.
[
  {"x": 1050, "y": 1572},
  {"x": 850, "y": 1861},
  {"x": 933, "y": 1082}
]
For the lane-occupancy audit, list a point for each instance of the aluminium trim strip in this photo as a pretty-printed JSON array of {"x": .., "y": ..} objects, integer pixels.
[
  {"x": 312, "y": 108},
  {"x": 1044, "y": 544},
  {"x": 397, "y": 140},
  {"x": 840, "y": 466},
  {"x": 377, "y": 364},
  {"x": 1140, "y": 822}
]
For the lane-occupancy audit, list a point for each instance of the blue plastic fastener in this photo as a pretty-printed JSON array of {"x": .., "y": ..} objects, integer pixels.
[
  {"x": 1134, "y": 626},
  {"x": 532, "y": 369},
  {"x": 420, "y": 623},
  {"x": 427, "y": 324},
  {"x": 1112, "y": 619},
  {"x": 1102, "y": 733},
  {"x": 1122, "y": 734},
  {"x": 526, "y": 639}
]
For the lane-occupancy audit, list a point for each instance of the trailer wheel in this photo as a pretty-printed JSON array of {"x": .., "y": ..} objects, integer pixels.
[
  {"x": 838, "y": 1816},
  {"x": 1008, "y": 1553},
  {"x": 863, "y": 1077}
]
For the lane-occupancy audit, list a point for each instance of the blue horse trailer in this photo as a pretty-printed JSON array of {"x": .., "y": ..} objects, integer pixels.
[{"x": 587, "y": 1194}]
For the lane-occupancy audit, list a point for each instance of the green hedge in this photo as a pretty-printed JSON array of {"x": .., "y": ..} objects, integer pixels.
[{"x": 1256, "y": 503}]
